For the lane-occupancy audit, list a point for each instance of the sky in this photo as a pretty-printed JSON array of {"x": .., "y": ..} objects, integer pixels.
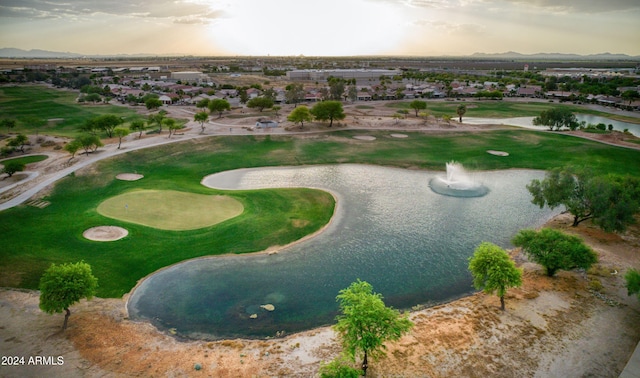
[{"x": 321, "y": 27}]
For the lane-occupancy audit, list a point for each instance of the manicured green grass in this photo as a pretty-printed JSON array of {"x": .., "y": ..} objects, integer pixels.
[
  {"x": 502, "y": 109},
  {"x": 33, "y": 238},
  {"x": 26, "y": 159},
  {"x": 170, "y": 209},
  {"x": 27, "y": 102}
]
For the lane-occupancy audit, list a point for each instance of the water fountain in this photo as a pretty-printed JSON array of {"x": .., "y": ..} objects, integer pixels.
[{"x": 457, "y": 183}]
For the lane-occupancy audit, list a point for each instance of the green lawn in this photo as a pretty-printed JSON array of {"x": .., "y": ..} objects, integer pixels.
[
  {"x": 33, "y": 237},
  {"x": 26, "y": 103},
  {"x": 501, "y": 109},
  {"x": 26, "y": 160}
]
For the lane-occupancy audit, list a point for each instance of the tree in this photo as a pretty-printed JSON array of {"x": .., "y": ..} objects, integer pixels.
[
  {"x": 301, "y": 115},
  {"x": 89, "y": 142},
  {"x": 555, "y": 250},
  {"x": 219, "y": 105},
  {"x": 339, "y": 368},
  {"x": 557, "y": 117},
  {"x": 630, "y": 95},
  {"x": 418, "y": 105},
  {"x": 260, "y": 102},
  {"x": 276, "y": 109},
  {"x": 294, "y": 93},
  {"x": 137, "y": 126},
  {"x": 72, "y": 147},
  {"x": 120, "y": 132},
  {"x": 563, "y": 186},
  {"x": 63, "y": 285},
  {"x": 19, "y": 141},
  {"x": 632, "y": 277},
  {"x": 157, "y": 119},
  {"x": 106, "y": 122},
  {"x": 12, "y": 166},
  {"x": 352, "y": 93},
  {"x": 202, "y": 104},
  {"x": 201, "y": 117},
  {"x": 365, "y": 323},
  {"x": 462, "y": 108},
  {"x": 328, "y": 110},
  {"x": 611, "y": 201},
  {"x": 172, "y": 125},
  {"x": 494, "y": 271},
  {"x": 336, "y": 88},
  {"x": 152, "y": 103},
  {"x": 8, "y": 123}
]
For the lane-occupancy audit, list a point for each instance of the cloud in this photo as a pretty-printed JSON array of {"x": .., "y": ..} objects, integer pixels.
[
  {"x": 162, "y": 9},
  {"x": 581, "y": 6}
]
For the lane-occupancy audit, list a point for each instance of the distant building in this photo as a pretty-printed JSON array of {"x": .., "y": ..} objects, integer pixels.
[
  {"x": 190, "y": 76},
  {"x": 321, "y": 75}
]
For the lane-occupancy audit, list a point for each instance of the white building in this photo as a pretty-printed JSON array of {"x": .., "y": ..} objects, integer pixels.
[{"x": 190, "y": 76}]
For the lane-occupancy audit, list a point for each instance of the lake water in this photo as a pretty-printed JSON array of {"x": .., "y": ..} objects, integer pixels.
[
  {"x": 390, "y": 229},
  {"x": 527, "y": 122}
]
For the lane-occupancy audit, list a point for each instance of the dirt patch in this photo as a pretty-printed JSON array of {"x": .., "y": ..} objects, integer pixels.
[
  {"x": 129, "y": 176},
  {"x": 497, "y": 153},
  {"x": 105, "y": 233}
]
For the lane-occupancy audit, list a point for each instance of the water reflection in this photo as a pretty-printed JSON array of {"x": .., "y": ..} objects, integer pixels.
[{"x": 390, "y": 229}]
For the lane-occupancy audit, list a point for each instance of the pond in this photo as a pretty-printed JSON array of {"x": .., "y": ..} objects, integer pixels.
[
  {"x": 389, "y": 229},
  {"x": 527, "y": 122}
]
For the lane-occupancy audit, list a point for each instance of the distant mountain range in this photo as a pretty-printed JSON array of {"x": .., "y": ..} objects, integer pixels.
[
  {"x": 19, "y": 53},
  {"x": 554, "y": 56}
]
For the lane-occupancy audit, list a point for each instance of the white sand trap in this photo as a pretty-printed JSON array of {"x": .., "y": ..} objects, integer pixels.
[
  {"x": 399, "y": 135},
  {"x": 364, "y": 137},
  {"x": 498, "y": 153},
  {"x": 268, "y": 307},
  {"x": 105, "y": 233},
  {"x": 129, "y": 176}
]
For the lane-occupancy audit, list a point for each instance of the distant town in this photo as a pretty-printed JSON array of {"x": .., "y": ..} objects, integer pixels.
[{"x": 188, "y": 80}]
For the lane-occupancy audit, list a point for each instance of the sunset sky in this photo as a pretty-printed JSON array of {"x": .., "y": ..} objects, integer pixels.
[{"x": 322, "y": 27}]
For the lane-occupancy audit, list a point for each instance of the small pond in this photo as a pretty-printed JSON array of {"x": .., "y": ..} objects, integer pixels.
[{"x": 390, "y": 229}]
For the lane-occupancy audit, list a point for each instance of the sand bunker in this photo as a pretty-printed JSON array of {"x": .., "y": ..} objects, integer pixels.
[
  {"x": 498, "y": 153},
  {"x": 364, "y": 137},
  {"x": 399, "y": 135},
  {"x": 105, "y": 233},
  {"x": 129, "y": 176}
]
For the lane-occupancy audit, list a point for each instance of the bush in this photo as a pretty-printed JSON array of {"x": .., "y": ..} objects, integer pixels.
[
  {"x": 595, "y": 285},
  {"x": 601, "y": 126}
]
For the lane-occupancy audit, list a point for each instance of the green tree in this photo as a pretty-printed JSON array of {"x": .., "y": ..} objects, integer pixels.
[
  {"x": 494, "y": 271},
  {"x": 365, "y": 323},
  {"x": 294, "y": 93},
  {"x": 630, "y": 95},
  {"x": 106, "y": 123},
  {"x": 137, "y": 125},
  {"x": 219, "y": 105},
  {"x": 632, "y": 278},
  {"x": 89, "y": 142},
  {"x": 418, "y": 105},
  {"x": 301, "y": 115},
  {"x": 339, "y": 368},
  {"x": 563, "y": 186},
  {"x": 336, "y": 88},
  {"x": 201, "y": 117},
  {"x": 611, "y": 201},
  {"x": 558, "y": 118},
  {"x": 555, "y": 250},
  {"x": 72, "y": 147},
  {"x": 18, "y": 142},
  {"x": 63, "y": 285},
  {"x": 203, "y": 104},
  {"x": 8, "y": 123},
  {"x": 260, "y": 103},
  {"x": 120, "y": 132},
  {"x": 157, "y": 119},
  {"x": 461, "y": 110},
  {"x": 276, "y": 110},
  {"x": 12, "y": 166},
  {"x": 172, "y": 125},
  {"x": 152, "y": 103},
  {"x": 328, "y": 110}
]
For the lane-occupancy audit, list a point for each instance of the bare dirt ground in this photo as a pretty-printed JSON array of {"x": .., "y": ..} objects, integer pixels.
[{"x": 553, "y": 327}]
